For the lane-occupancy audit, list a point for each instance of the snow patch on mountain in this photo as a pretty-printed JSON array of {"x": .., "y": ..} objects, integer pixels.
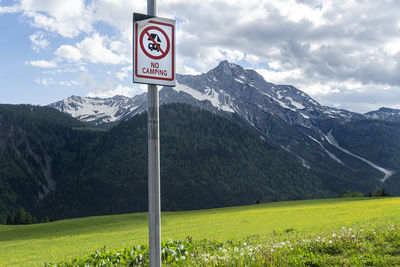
[
  {"x": 331, "y": 140},
  {"x": 330, "y": 154},
  {"x": 209, "y": 95}
]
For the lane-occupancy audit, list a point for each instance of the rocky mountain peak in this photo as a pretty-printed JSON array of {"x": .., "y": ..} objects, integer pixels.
[{"x": 383, "y": 113}]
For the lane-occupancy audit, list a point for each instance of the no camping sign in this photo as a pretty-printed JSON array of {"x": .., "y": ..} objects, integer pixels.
[{"x": 153, "y": 50}]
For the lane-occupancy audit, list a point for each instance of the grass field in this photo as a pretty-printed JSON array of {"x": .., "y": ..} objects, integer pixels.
[{"x": 32, "y": 245}]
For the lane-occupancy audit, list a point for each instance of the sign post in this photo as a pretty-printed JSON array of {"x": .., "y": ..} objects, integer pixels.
[{"x": 153, "y": 64}]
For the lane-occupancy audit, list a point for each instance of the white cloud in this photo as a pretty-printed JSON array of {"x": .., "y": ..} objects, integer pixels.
[
  {"x": 68, "y": 83},
  {"x": 96, "y": 49},
  {"x": 45, "y": 81},
  {"x": 392, "y": 46},
  {"x": 69, "y": 53},
  {"x": 38, "y": 41},
  {"x": 119, "y": 90},
  {"x": 9, "y": 9},
  {"x": 42, "y": 63},
  {"x": 67, "y": 18},
  {"x": 93, "y": 49},
  {"x": 189, "y": 70}
]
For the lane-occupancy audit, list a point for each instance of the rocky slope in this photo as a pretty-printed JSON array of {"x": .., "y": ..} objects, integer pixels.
[{"x": 280, "y": 114}]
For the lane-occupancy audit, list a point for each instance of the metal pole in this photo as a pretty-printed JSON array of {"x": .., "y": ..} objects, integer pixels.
[{"x": 154, "y": 166}]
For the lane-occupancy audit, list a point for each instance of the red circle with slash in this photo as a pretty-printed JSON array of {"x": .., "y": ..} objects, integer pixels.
[{"x": 145, "y": 32}]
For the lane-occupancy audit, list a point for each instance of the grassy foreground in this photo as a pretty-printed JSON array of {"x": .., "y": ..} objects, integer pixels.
[{"x": 260, "y": 225}]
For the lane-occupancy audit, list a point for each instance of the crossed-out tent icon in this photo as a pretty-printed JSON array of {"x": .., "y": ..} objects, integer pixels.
[{"x": 153, "y": 46}]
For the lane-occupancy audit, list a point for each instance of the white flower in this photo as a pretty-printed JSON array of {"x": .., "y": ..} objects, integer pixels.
[
  {"x": 374, "y": 233},
  {"x": 212, "y": 258},
  {"x": 353, "y": 236},
  {"x": 236, "y": 249},
  {"x": 186, "y": 252},
  {"x": 183, "y": 257},
  {"x": 224, "y": 251},
  {"x": 283, "y": 243},
  {"x": 343, "y": 228},
  {"x": 350, "y": 229},
  {"x": 330, "y": 242},
  {"x": 333, "y": 235},
  {"x": 244, "y": 244},
  {"x": 241, "y": 254}
]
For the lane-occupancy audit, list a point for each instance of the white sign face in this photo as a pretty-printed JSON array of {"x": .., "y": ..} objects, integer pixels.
[{"x": 154, "y": 51}]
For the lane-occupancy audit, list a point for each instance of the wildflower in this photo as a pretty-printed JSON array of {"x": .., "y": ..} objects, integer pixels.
[
  {"x": 212, "y": 258},
  {"x": 343, "y": 228},
  {"x": 330, "y": 242},
  {"x": 283, "y": 243},
  {"x": 374, "y": 232},
  {"x": 186, "y": 252},
  {"x": 236, "y": 249},
  {"x": 241, "y": 254},
  {"x": 183, "y": 257},
  {"x": 206, "y": 260},
  {"x": 333, "y": 235},
  {"x": 353, "y": 236},
  {"x": 350, "y": 229},
  {"x": 224, "y": 251},
  {"x": 272, "y": 250},
  {"x": 244, "y": 244}
]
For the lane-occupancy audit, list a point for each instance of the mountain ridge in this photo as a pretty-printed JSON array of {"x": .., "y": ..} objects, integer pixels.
[{"x": 281, "y": 114}]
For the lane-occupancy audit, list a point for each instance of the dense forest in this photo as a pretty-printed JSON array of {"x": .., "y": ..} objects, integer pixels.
[{"x": 54, "y": 166}]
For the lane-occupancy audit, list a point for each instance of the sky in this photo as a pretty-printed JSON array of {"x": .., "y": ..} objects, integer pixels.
[{"x": 343, "y": 53}]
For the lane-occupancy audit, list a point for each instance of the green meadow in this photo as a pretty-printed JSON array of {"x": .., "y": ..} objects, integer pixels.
[{"x": 35, "y": 245}]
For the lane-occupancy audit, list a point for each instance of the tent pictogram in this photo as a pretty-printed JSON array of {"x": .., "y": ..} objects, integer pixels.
[{"x": 154, "y": 42}]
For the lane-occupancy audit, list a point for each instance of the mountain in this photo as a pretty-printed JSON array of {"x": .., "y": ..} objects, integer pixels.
[
  {"x": 33, "y": 142},
  {"x": 387, "y": 114},
  {"x": 54, "y": 166},
  {"x": 226, "y": 88},
  {"x": 283, "y": 116},
  {"x": 102, "y": 112}
]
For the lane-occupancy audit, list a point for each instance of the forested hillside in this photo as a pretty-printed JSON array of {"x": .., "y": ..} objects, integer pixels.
[
  {"x": 33, "y": 141},
  {"x": 206, "y": 161},
  {"x": 53, "y": 166}
]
